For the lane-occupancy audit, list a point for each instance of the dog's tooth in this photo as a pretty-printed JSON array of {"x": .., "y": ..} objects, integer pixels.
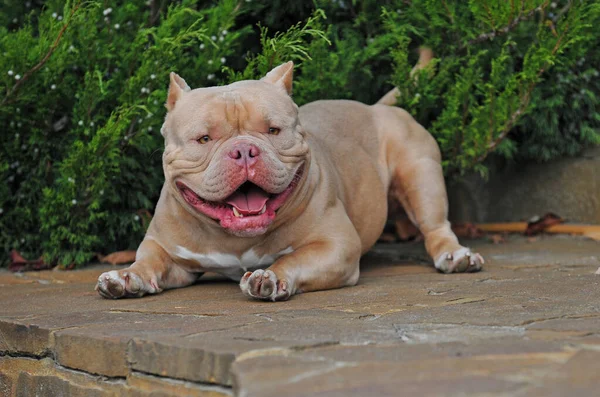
[
  {"x": 264, "y": 209},
  {"x": 236, "y": 213}
]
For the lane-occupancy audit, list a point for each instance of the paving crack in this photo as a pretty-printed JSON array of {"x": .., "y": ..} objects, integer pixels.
[
  {"x": 222, "y": 329},
  {"x": 199, "y": 315},
  {"x": 565, "y": 316}
]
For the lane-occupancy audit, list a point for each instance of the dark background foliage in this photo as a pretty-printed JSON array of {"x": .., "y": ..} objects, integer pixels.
[{"x": 82, "y": 87}]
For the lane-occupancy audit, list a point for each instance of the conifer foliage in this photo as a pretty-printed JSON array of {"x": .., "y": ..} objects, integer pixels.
[{"x": 83, "y": 83}]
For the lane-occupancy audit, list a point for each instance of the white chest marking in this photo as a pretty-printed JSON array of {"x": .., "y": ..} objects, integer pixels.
[{"x": 220, "y": 261}]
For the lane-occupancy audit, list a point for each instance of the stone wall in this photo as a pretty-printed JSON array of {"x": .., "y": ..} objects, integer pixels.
[{"x": 568, "y": 187}]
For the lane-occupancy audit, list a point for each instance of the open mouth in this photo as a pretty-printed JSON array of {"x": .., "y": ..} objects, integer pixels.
[{"x": 248, "y": 211}]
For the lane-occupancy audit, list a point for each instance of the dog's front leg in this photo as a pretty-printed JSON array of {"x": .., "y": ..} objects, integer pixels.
[
  {"x": 328, "y": 261},
  {"x": 151, "y": 273}
]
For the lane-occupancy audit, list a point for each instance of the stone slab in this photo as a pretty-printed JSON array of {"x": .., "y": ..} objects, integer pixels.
[{"x": 526, "y": 325}]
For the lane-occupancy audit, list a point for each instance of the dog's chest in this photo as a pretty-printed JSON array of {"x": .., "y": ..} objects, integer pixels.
[{"x": 230, "y": 265}]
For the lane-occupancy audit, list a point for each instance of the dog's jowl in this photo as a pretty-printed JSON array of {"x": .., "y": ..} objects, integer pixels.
[{"x": 281, "y": 198}]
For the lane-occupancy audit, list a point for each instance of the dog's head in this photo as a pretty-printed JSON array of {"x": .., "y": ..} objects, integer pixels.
[{"x": 234, "y": 154}]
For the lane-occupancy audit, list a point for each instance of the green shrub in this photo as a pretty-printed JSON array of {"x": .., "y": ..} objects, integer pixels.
[
  {"x": 83, "y": 85},
  {"x": 497, "y": 67}
]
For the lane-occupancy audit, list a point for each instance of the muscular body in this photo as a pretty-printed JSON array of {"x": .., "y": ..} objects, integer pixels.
[{"x": 284, "y": 199}]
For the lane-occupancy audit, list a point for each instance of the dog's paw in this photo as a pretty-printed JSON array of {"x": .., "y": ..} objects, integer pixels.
[
  {"x": 125, "y": 284},
  {"x": 263, "y": 284},
  {"x": 461, "y": 260}
]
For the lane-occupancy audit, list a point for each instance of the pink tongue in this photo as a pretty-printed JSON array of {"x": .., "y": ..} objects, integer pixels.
[{"x": 252, "y": 201}]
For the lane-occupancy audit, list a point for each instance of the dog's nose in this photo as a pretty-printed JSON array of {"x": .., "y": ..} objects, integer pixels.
[{"x": 244, "y": 153}]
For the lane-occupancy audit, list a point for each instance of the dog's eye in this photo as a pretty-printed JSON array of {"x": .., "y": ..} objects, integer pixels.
[
  {"x": 274, "y": 131},
  {"x": 203, "y": 139}
]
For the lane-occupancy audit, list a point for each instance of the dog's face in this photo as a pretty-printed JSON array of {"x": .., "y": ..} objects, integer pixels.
[{"x": 234, "y": 154}]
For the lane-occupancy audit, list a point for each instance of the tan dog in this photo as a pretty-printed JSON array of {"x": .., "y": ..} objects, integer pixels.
[{"x": 254, "y": 182}]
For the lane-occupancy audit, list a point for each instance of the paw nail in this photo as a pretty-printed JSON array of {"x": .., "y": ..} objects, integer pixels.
[{"x": 449, "y": 257}]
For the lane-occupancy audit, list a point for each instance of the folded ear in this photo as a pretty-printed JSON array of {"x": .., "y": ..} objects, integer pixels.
[
  {"x": 177, "y": 87},
  {"x": 282, "y": 76}
]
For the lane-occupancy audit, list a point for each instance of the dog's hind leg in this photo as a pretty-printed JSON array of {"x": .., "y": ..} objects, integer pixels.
[
  {"x": 417, "y": 182},
  {"x": 152, "y": 272}
]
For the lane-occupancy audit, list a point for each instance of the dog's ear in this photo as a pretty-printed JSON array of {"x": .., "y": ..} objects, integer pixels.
[
  {"x": 281, "y": 76},
  {"x": 177, "y": 86}
]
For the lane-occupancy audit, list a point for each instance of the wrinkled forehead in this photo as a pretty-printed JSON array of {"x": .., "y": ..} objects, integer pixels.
[{"x": 246, "y": 105}]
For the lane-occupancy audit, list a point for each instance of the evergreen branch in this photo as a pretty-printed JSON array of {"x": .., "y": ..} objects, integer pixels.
[
  {"x": 513, "y": 24},
  {"x": 41, "y": 63},
  {"x": 448, "y": 12},
  {"x": 522, "y": 106}
]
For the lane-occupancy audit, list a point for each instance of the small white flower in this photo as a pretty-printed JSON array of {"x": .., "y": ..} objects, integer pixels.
[
  {"x": 17, "y": 77},
  {"x": 210, "y": 61},
  {"x": 149, "y": 115},
  {"x": 71, "y": 48},
  {"x": 54, "y": 15},
  {"x": 102, "y": 192},
  {"x": 155, "y": 102},
  {"x": 106, "y": 19},
  {"x": 91, "y": 123},
  {"x": 10, "y": 72},
  {"x": 53, "y": 87},
  {"x": 24, "y": 146},
  {"x": 12, "y": 124},
  {"x": 18, "y": 110},
  {"x": 149, "y": 129},
  {"x": 28, "y": 4},
  {"x": 36, "y": 150},
  {"x": 107, "y": 11},
  {"x": 17, "y": 135},
  {"x": 202, "y": 46},
  {"x": 73, "y": 201},
  {"x": 80, "y": 122},
  {"x": 210, "y": 76},
  {"x": 417, "y": 95},
  {"x": 126, "y": 138},
  {"x": 22, "y": 240},
  {"x": 152, "y": 76},
  {"x": 11, "y": 178},
  {"x": 129, "y": 23},
  {"x": 71, "y": 180},
  {"x": 139, "y": 122},
  {"x": 144, "y": 90},
  {"x": 59, "y": 18},
  {"x": 156, "y": 62},
  {"x": 117, "y": 26},
  {"x": 15, "y": 20},
  {"x": 135, "y": 217},
  {"x": 553, "y": 4},
  {"x": 19, "y": 124},
  {"x": 582, "y": 92},
  {"x": 223, "y": 60},
  {"x": 213, "y": 38},
  {"x": 1, "y": 211},
  {"x": 221, "y": 38},
  {"x": 224, "y": 32}
]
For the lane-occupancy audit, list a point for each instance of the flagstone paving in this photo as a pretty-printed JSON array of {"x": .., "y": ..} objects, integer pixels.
[{"x": 528, "y": 325}]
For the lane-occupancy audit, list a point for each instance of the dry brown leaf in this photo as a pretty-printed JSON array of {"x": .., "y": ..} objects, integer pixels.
[
  {"x": 467, "y": 230},
  {"x": 497, "y": 238},
  {"x": 538, "y": 225},
  {"x": 118, "y": 258},
  {"x": 20, "y": 264}
]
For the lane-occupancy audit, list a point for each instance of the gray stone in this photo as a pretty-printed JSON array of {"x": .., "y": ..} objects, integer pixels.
[{"x": 568, "y": 187}]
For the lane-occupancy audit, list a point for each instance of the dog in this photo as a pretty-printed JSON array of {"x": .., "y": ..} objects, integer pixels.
[{"x": 284, "y": 199}]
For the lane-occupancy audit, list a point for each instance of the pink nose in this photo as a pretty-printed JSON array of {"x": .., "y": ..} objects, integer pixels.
[{"x": 244, "y": 153}]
